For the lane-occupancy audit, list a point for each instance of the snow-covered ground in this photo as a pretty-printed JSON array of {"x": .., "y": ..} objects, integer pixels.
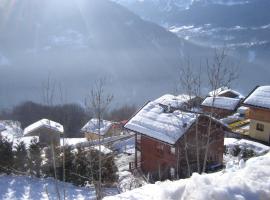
[
  {"x": 125, "y": 146},
  {"x": 232, "y": 162},
  {"x": 250, "y": 181},
  {"x": 247, "y": 144},
  {"x": 27, "y": 188},
  {"x": 127, "y": 180}
]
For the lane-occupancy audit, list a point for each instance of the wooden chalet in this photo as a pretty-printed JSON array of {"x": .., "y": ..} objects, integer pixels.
[
  {"x": 220, "y": 106},
  {"x": 92, "y": 130},
  {"x": 258, "y": 102},
  {"x": 226, "y": 92},
  {"x": 48, "y": 132},
  {"x": 166, "y": 141}
]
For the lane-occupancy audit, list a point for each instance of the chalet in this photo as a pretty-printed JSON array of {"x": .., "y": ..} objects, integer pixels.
[
  {"x": 258, "y": 102},
  {"x": 92, "y": 130},
  {"x": 166, "y": 141},
  {"x": 220, "y": 106},
  {"x": 48, "y": 131},
  {"x": 182, "y": 101},
  {"x": 118, "y": 128},
  {"x": 226, "y": 92}
]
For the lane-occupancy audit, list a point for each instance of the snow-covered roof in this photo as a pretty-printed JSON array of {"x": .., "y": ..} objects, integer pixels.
[
  {"x": 152, "y": 121},
  {"x": 93, "y": 127},
  {"x": 242, "y": 110},
  {"x": 221, "y": 102},
  {"x": 2, "y": 127},
  {"x": 222, "y": 90},
  {"x": 174, "y": 101},
  {"x": 41, "y": 124},
  {"x": 259, "y": 97}
]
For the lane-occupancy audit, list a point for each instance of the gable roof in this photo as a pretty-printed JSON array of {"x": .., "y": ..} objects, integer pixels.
[
  {"x": 92, "y": 126},
  {"x": 152, "y": 121},
  {"x": 222, "y": 90},
  {"x": 43, "y": 123},
  {"x": 259, "y": 97},
  {"x": 221, "y": 102},
  {"x": 174, "y": 101}
]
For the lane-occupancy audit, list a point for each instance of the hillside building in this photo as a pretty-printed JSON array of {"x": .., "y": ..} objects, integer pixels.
[
  {"x": 48, "y": 132},
  {"x": 258, "y": 102},
  {"x": 166, "y": 141}
]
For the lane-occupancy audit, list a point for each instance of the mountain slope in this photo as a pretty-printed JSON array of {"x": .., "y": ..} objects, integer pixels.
[
  {"x": 76, "y": 42},
  {"x": 242, "y": 26}
]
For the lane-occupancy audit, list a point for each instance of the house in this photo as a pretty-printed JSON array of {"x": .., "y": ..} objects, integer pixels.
[
  {"x": 182, "y": 101},
  {"x": 258, "y": 102},
  {"x": 92, "y": 130},
  {"x": 220, "y": 106},
  {"x": 226, "y": 92},
  {"x": 118, "y": 128},
  {"x": 48, "y": 131},
  {"x": 161, "y": 136}
]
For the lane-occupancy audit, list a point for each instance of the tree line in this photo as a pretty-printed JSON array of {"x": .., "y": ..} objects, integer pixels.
[
  {"x": 80, "y": 164},
  {"x": 71, "y": 116}
]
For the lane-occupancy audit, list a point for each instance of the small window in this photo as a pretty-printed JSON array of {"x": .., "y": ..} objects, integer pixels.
[
  {"x": 260, "y": 127},
  {"x": 172, "y": 150}
]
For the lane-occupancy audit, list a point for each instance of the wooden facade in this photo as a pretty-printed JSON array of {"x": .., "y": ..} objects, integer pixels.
[
  {"x": 259, "y": 114},
  {"x": 162, "y": 161},
  {"x": 92, "y": 136},
  {"x": 114, "y": 130},
  {"x": 48, "y": 136},
  {"x": 218, "y": 113},
  {"x": 229, "y": 94}
]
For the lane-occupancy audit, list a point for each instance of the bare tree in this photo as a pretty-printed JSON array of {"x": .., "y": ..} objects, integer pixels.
[
  {"x": 190, "y": 84},
  {"x": 98, "y": 101},
  {"x": 48, "y": 91},
  {"x": 220, "y": 73}
]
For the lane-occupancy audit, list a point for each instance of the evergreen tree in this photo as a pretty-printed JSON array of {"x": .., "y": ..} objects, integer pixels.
[
  {"x": 6, "y": 156},
  {"x": 52, "y": 163},
  {"x": 20, "y": 157},
  {"x": 69, "y": 165},
  {"x": 80, "y": 167},
  {"x": 109, "y": 168},
  {"x": 35, "y": 159}
]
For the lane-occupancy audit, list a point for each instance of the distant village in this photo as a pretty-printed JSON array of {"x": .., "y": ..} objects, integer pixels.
[{"x": 173, "y": 136}]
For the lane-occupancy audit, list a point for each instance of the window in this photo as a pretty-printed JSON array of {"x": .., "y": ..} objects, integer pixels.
[
  {"x": 172, "y": 150},
  {"x": 260, "y": 127}
]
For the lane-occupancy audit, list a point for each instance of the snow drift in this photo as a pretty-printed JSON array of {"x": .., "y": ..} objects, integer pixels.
[{"x": 251, "y": 181}]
